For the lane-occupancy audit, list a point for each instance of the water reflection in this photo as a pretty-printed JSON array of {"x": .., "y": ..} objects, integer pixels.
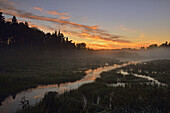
[
  {"x": 153, "y": 81},
  {"x": 36, "y": 94}
]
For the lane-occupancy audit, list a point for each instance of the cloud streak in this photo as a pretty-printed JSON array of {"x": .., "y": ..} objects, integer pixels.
[
  {"x": 56, "y": 13},
  {"x": 89, "y": 32},
  {"x": 62, "y": 15},
  {"x": 39, "y": 9},
  {"x": 95, "y": 37},
  {"x": 50, "y": 12}
]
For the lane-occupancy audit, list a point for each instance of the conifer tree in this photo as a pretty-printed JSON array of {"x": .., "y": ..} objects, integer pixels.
[
  {"x": 14, "y": 20},
  {"x": 2, "y": 18}
]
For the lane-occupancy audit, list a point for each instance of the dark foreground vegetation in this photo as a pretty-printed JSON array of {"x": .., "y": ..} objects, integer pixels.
[
  {"x": 101, "y": 97},
  {"x": 159, "y": 69},
  {"x": 21, "y": 70},
  {"x": 29, "y": 57},
  {"x": 115, "y": 77},
  {"x": 98, "y": 97}
]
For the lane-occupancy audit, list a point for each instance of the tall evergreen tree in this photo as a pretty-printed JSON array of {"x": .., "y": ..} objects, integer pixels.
[
  {"x": 14, "y": 20},
  {"x": 2, "y": 18},
  {"x": 59, "y": 34},
  {"x": 2, "y": 30},
  {"x": 55, "y": 33},
  {"x": 26, "y": 24}
]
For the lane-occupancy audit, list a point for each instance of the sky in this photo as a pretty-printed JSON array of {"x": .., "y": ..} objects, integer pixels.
[{"x": 101, "y": 24}]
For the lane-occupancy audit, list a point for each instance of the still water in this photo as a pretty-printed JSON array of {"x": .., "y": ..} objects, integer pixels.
[
  {"x": 152, "y": 80},
  {"x": 11, "y": 104}
]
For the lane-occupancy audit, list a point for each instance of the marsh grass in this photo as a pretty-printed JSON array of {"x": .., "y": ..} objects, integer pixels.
[
  {"x": 114, "y": 76},
  {"x": 21, "y": 69},
  {"x": 158, "y": 69},
  {"x": 98, "y": 97}
]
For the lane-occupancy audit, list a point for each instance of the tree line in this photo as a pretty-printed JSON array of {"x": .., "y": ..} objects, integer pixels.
[
  {"x": 14, "y": 34},
  {"x": 154, "y": 46}
]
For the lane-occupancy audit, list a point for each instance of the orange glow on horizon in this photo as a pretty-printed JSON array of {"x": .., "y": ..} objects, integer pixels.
[
  {"x": 114, "y": 46},
  {"x": 95, "y": 42}
]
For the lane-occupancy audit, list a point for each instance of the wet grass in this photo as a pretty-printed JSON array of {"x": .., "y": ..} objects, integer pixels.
[
  {"x": 99, "y": 97},
  {"x": 20, "y": 70},
  {"x": 114, "y": 76},
  {"x": 158, "y": 69}
]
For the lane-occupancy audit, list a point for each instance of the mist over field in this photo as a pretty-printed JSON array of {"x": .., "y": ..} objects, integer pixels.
[
  {"x": 134, "y": 54},
  {"x": 156, "y": 53},
  {"x": 84, "y": 56}
]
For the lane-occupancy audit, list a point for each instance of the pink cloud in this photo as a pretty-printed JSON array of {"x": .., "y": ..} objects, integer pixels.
[{"x": 90, "y": 32}]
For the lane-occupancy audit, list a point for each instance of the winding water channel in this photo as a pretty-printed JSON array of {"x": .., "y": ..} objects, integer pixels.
[
  {"x": 153, "y": 81},
  {"x": 34, "y": 95}
]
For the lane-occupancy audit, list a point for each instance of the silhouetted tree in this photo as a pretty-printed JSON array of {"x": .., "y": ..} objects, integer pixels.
[
  {"x": 3, "y": 33},
  {"x": 81, "y": 45},
  {"x": 14, "y": 20},
  {"x": 163, "y": 45},
  {"x": 55, "y": 33},
  {"x": 2, "y": 18},
  {"x": 20, "y": 35},
  {"x": 59, "y": 34},
  {"x": 26, "y": 24},
  {"x": 152, "y": 46},
  {"x": 142, "y": 48}
]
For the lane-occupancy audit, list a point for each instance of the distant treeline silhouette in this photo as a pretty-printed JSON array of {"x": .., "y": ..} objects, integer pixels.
[
  {"x": 14, "y": 34},
  {"x": 153, "y": 46}
]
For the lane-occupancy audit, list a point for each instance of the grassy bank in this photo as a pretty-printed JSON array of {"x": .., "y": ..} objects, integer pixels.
[
  {"x": 99, "y": 97},
  {"x": 20, "y": 70},
  {"x": 114, "y": 76},
  {"x": 158, "y": 69}
]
